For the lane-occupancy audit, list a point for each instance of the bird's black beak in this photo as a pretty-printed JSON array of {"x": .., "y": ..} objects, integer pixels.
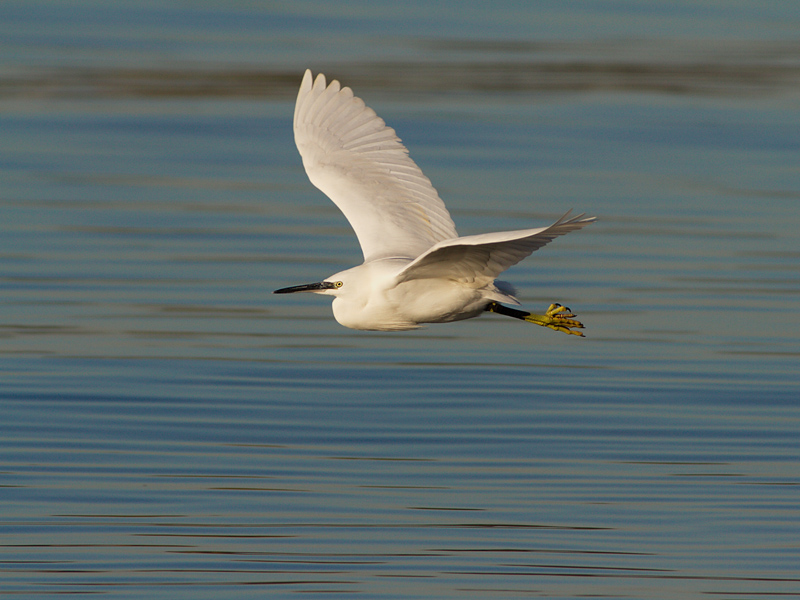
[{"x": 307, "y": 287}]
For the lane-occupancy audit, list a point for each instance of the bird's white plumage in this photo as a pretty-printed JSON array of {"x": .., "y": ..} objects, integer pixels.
[
  {"x": 358, "y": 162},
  {"x": 479, "y": 259},
  {"x": 416, "y": 269}
]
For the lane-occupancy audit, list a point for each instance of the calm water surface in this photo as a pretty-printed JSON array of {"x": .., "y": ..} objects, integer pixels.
[{"x": 172, "y": 430}]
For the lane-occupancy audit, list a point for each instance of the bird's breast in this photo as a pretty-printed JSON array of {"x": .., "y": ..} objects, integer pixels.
[{"x": 370, "y": 316}]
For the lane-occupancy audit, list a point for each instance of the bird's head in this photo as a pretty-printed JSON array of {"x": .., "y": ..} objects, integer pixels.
[
  {"x": 335, "y": 285},
  {"x": 321, "y": 287}
]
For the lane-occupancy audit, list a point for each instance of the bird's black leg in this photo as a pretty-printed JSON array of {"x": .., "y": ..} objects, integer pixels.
[{"x": 500, "y": 309}]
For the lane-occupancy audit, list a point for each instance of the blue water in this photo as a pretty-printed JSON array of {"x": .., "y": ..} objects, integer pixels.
[{"x": 170, "y": 429}]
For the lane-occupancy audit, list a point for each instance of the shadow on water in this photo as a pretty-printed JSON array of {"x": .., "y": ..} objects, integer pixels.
[{"x": 666, "y": 67}]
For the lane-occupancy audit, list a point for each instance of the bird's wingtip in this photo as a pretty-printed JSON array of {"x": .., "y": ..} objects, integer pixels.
[{"x": 579, "y": 218}]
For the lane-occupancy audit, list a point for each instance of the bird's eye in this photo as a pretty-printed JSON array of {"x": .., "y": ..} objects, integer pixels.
[{"x": 338, "y": 284}]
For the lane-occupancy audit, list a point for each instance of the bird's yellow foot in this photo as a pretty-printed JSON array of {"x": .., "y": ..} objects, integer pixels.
[{"x": 557, "y": 317}]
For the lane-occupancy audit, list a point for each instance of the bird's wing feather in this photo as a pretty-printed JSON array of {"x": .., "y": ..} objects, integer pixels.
[
  {"x": 358, "y": 162},
  {"x": 479, "y": 259}
]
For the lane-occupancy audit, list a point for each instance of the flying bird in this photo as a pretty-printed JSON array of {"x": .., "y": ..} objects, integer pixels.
[{"x": 416, "y": 268}]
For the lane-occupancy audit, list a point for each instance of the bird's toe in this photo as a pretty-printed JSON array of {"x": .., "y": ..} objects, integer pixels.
[{"x": 558, "y": 318}]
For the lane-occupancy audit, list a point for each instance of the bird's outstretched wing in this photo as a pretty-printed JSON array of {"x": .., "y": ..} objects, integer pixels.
[
  {"x": 479, "y": 259},
  {"x": 358, "y": 162}
]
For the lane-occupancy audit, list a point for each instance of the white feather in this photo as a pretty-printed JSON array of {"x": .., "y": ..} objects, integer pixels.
[
  {"x": 358, "y": 162},
  {"x": 479, "y": 259}
]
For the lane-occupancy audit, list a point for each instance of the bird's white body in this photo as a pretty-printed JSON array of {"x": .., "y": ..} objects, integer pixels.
[
  {"x": 416, "y": 268},
  {"x": 372, "y": 298}
]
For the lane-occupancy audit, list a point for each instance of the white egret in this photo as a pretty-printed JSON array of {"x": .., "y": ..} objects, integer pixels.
[{"x": 416, "y": 269}]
